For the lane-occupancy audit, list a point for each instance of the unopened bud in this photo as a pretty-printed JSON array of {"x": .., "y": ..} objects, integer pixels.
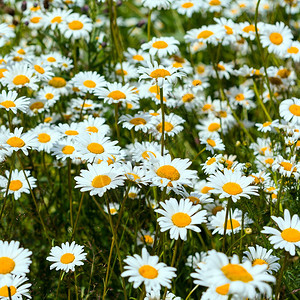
[
  {"x": 238, "y": 143},
  {"x": 24, "y": 6},
  {"x": 248, "y": 230}
]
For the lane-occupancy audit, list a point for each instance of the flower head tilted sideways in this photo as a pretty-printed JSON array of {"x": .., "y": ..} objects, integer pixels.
[
  {"x": 180, "y": 216},
  {"x": 288, "y": 238},
  {"x": 66, "y": 257},
  {"x": 146, "y": 269},
  {"x": 232, "y": 184},
  {"x": 18, "y": 287}
]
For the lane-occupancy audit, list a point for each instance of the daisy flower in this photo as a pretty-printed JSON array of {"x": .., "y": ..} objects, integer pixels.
[
  {"x": 66, "y": 257},
  {"x": 113, "y": 208},
  {"x": 159, "y": 74},
  {"x": 288, "y": 237},
  {"x": 50, "y": 94},
  {"x": 146, "y": 269},
  {"x": 52, "y": 58},
  {"x": 145, "y": 238},
  {"x": 210, "y": 34},
  {"x": 277, "y": 38},
  {"x": 36, "y": 106},
  {"x": 261, "y": 256},
  {"x": 293, "y": 51},
  {"x": 224, "y": 70},
  {"x": 93, "y": 147},
  {"x": 126, "y": 70},
  {"x": 42, "y": 70},
  {"x": 287, "y": 167},
  {"x": 232, "y": 185},
  {"x": 180, "y": 216},
  {"x": 159, "y": 4},
  {"x": 76, "y": 26},
  {"x": 95, "y": 125},
  {"x": 10, "y": 102},
  {"x": 139, "y": 121},
  {"x": 64, "y": 149},
  {"x": 234, "y": 224},
  {"x": 193, "y": 261},
  {"x": 60, "y": 84},
  {"x": 18, "y": 183},
  {"x": 88, "y": 81},
  {"x": 230, "y": 33},
  {"x": 215, "y": 5},
  {"x": 56, "y": 16},
  {"x": 247, "y": 30},
  {"x": 99, "y": 178},
  {"x": 267, "y": 126},
  {"x": 162, "y": 46},
  {"x": 212, "y": 164},
  {"x": 163, "y": 172},
  {"x": 289, "y": 109},
  {"x": 136, "y": 56},
  {"x": 143, "y": 151},
  {"x": 18, "y": 287},
  {"x": 14, "y": 260},
  {"x": 212, "y": 143},
  {"x": 186, "y": 7},
  {"x": 209, "y": 128},
  {"x": 135, "y": 174},
  {"x": 115, "y": 93},
  {"x": 19, "y": 76}
]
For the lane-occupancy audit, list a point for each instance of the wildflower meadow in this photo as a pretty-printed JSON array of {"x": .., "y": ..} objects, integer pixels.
[{"x": 149, "y": 149}]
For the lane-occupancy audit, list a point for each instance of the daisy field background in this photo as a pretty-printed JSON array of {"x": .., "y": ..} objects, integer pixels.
[{"x": 149, "y": 149}]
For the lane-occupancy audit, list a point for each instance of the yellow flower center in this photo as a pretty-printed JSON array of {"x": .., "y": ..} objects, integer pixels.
[
  {"x": 92, "y": 129},
  {"x": 4, "y": 291},
  {"x": 160, "y": 45},
  {"x": 223, "y": 289},
  {"x": 222, "y": 114},
  {"x": 148, "y": 272},
  {"x": 75, "y": 25},
  {"x": 15, "y": 142},
  {"x": 7, "y": 265},
  {"x": 138, "y": 57},
  {"x": 232, "y": 188},
  {"x": 57, "y": 19},
  {"x": 158, "y": 73},
  {"x": 295, "y": 110},
  {"x": 57, "y": 82},
  {"x": 188, "y": 98},
  {"x": 239, "y": 97},
  {"x": 266, "y": 124},
  {"x": 216, "y": 209},
  {"x": 101, "y": 181},
  {"x": 196, "y": 82},
  {"x": 168, "y": 127},
  {"x": 39, "y": 69},
  {"x": 259, "y": 261},
  {"x": 35, "y": 20},
  {"x": 95, "y": 148},
  {"x": 68, "y": 149},
  {"x": 15, "y": 185},
  {"x": 205, "y": 34},
  {"x": 8, "y": 104},
  {"x": 221, "y": 68},
  {"x": 193, "y": 199},
  {"x": 235, "y": 224},
  {"x": 44, "y": 137},
  {"x": 21, "y": 80},
  {"x": 206, "y": 107},
  {"x": 211, "y": 143},
  {"x": 286, "y": 165},
  {"x": 49, "y": 96},
  {"x": 213, "y": 127},
  {"x": 147, "y": 239},
  {"x": 291, "y": 235},
  {"x": 276, "y": 38},
  {"x": 181, "y": 219},
  {"x": 284, "y": 73},
  {"x": 67, "y": 258},
  {"x": 36, "y": 105},
  {"x": 71, "y": 132},
  {"x": 168, "y": 172},
  {"x": 211, "y": 161},
  {"x": 214, "y": 2},
  {"x": 236, "y": 272},
  {"x": 120, "y": 72},
  {"x": 48, "y": 119},
  {"x": 138, "y": 121},
  {"x": 293, "y": 50},
  {"x": 2, "y": 70},
  {"x": 177, "y": 65},
  {"x": 228, "y": 29},
  {"x": 89, "y": 84},
  {"x": 145, "y": 154},
  {"x": 21, "y": 51},
  {"x": 132, "y": 175},
  {"x": 187, "y": 5},
  {"x": 206, "y": 189},
  {"x": 249, "y": 28},
  {"x": 116, "y": 95},
  {"x": 51, "y": 59}
]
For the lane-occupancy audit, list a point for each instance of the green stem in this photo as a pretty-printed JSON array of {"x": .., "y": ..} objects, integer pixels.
[
  {"x": 149, "y": 25},
  {"x": 191, "y": 292},
  {"x": 70, "y": 192},
  {"x": 225, "y": 223},
  {"x": 162, "y": 120},
  {"x": 77, "y": 217},
  {"x": 108, "y": 266},
  {"x": 278, "y": 285}
]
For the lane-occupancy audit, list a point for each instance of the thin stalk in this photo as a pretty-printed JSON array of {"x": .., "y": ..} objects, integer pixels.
[
  {"x": 149, "y": 25},
  {"x": 6, "y": 192},
  {"x": 191, "y": 292},
  {"x": 225, "y": 223},
  {"x": 278, "y": 285},
  {"x": 77, "y": 217},
  {"x": 162, "y": 120},
  {"x": 76, "y": 288},
  {"x": 108, "y": 267},
  {"x": 116, "y": 122},
  {"x": 70, "y": 192},
  {"x": 61, "y": 276}
]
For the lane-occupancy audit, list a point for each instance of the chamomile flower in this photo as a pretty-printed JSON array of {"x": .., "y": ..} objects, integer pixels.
[
  {"x": 146, "y": 269},
  {"x": 277, "y": 38},
  {"x": 289, "y": 109},
  {"x": 50, "y": 94},
  {"x": 19, "y": 76},
  {"x": 139, "y": 121},
  {"x": 66, "y": 257},
  {"x": 10, "y": 102},
  {"x": 212, "y": 164},
  {"x": 96, "y": 146},
  {"x": 99, "y": 178},
  {"x": 209, "y": 128},
  {"x": 18, "y": 287},
  {"x": 162, "y": 46},
  {"x": 159, "y": 4},
  {"x": 163, "y": 171},
  {"x": 293, "y": 51},
  {"x": 56, "y": 16},
  {"x": 14, "y": 259},
  {"x": 60, "y": 84},
  {"x": 113, "y": 208},
  {"x": 18, "y": 183},
  {"x": 187, "y": 7},
  {"x": 36, "y": 106},
  {"x": 143, "y": 151},
  {"x": 95, "y": 125},
  {"x": 262, "y": 256},
  {"x": 64, "y": 149},
  {"x": 42, "y": 70},
  {"x": 88, "y": 81},
  {"x": 135, "y": 174},
  {"x": 136, "y": 56},
  {"x": 287, "y": 167},
  {"x": 215, "y": 5},
  {"x": 180, "y": 216},
  {"x": 196, "y": 260},
  {"x": 115, "y": 93},
  {"x": 52, "y": 58},
  {"x": 288, "y": 237},
  {"x": 145, "y": 238},
  {"x": 159, "y": 74},
  {"x": 210, "y": 34},
  {"x": 212, "y": 143},
  {"x": 76, "y": 26},
  {"x": 232, "y": 184},
  {"x": 267, "y": 126}
]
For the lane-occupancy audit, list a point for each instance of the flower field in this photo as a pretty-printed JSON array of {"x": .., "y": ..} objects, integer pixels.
[{"x": 149, "y": 149}]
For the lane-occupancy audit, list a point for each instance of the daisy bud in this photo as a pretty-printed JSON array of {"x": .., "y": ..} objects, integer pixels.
[
  {"x": 248, "y": 165},
  {"x": 119, "y": 3},
  {"x": 103, "y": 45},
  {"x": 85, "y": 8},
  {"x": 35, "y": 4},
  {"x": 248, "y": 230},
  {"x": 141, "y": 23},
  {"x": 46, "y": 4},
  {"x": 238, "y": 143},
  {"x": 24, "y": 6}
]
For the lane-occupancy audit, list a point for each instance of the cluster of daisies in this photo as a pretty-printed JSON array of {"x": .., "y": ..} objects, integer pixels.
[{"x": 118, "y": 124}]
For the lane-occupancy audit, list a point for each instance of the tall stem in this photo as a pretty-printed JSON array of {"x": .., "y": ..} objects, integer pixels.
[
  {"x": 225, "y": 223},
  {"x": 162, "y": 120},
  {"x": 70, "y": 191}
]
